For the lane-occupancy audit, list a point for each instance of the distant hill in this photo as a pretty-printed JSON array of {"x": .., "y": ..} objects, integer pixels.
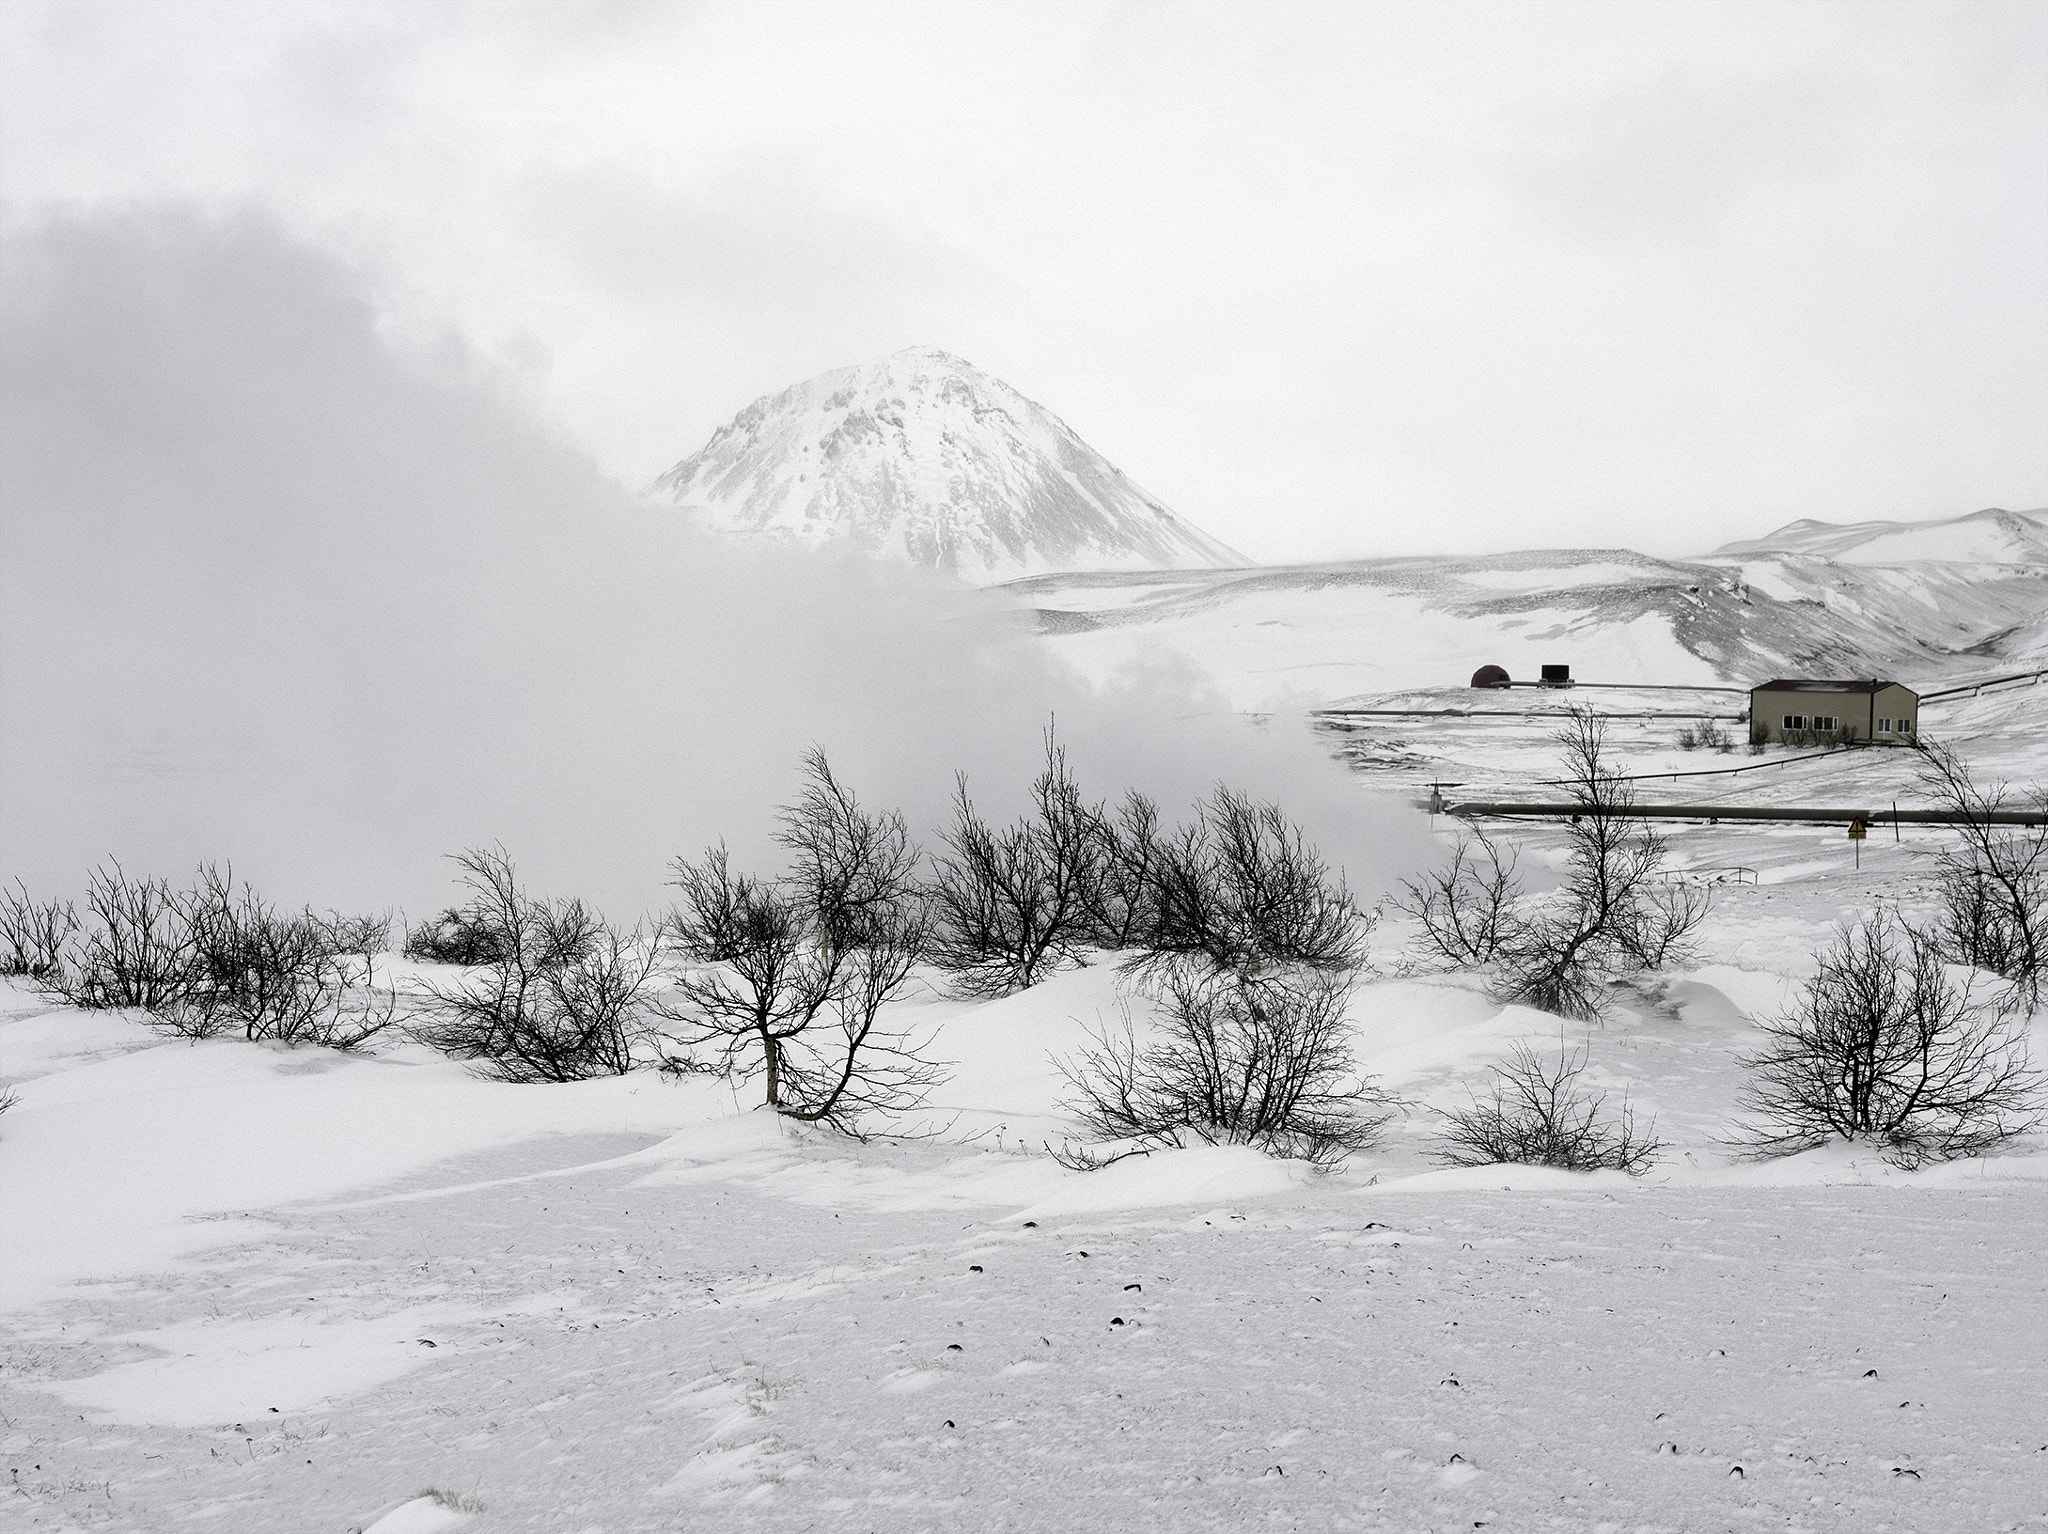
[
  {"x": 1316, "y": 634},
  {"x": 1982, "y": 537},
  {"x": 923, "y": 458}
]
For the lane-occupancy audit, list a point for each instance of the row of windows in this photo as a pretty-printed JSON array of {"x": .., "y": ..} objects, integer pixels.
[{"x": 1827, "y": 722}]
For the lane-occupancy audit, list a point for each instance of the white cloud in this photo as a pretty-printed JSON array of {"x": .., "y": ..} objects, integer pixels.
[{"x": 1327, "y": 279}]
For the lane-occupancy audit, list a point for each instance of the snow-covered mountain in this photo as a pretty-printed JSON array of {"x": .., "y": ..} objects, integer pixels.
[
  {"x": 922, "y": 457},
  {"x": 1982, "y": 537}
]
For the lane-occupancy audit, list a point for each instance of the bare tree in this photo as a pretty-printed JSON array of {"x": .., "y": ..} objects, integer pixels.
[
  {"x": 559, "y": 997},
  {"x": 1123, "y": 900},
  {"x": 33, "y": 933},
  {"x": 1235, "y": 1059},
  {"x": 1609, "y": 917},
  {"x": 1468, "y": 909},
  {"x": 1244, "y": 890},
  {"x": 1011, "y": 904},
  {"x": 1539, "y": 1112},
  {"x": 763, "y": 975},
  {"x": 1994, "y": 882},
  {"x": 857, "y": 869},
  {"x": 1889, "y": 1045},
  {"x": 791, "y": 977}
]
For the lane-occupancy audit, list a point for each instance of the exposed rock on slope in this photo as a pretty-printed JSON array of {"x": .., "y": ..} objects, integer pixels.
[{"x": 922, "y": 457}]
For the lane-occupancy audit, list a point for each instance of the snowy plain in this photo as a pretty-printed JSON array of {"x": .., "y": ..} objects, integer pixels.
[{"x": 249, "y": 1288}]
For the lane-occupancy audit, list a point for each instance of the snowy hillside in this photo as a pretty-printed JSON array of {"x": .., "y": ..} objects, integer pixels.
[
  {"x": 922, "y": 457},
  {"x": 1309, "y": 635},
  {"x": 1982, "y": 537}
]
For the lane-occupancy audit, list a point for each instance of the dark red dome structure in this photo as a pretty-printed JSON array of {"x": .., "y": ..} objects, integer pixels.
[{"x": 1491, "y": 676}]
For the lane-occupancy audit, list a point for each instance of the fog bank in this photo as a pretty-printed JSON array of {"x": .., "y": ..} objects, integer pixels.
[{"x": 272, "y": 592}]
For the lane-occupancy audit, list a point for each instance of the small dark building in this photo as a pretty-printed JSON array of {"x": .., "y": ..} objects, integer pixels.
[
  {"x": 1492, "y": 676},
  {"x": 1557, "y": 676},
  {"x": 1805, "y": 712}
]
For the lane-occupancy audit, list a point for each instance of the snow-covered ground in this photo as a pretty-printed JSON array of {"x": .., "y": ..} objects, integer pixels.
[
  {"x": 252, "y": 1289},
  {"x": 266, "y": 1289}
]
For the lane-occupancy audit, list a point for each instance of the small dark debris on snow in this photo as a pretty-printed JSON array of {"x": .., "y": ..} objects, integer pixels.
[
  {"x": 954, "y": 1347},
  {"x": 949, "y": 1422},
  {"x": 1139, "y": 1288},
  {"x": 426, "y": 1342},
  {"x": 974, "y": 1267},
  {"x": 1902, "y": 1470},
  {"x": 1031, "y": 1225},
  {"x": 1736, "y": 1471},
  {"x": 1116, "y": 1320},
  {"x": 1870, "y": 1374}
]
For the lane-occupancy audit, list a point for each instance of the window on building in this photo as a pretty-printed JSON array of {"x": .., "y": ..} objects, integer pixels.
[
  {"x": 1826, "y": 722},
  {"x": 1797, "y": 722},
  {"x": 1884, "y": 727}
]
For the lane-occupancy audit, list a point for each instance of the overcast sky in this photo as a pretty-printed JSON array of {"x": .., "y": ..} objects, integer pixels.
[{"x": 1345, "y": 280}]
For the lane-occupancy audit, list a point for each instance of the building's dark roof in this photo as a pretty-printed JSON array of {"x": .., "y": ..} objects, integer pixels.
[{"x": 1807, "y": 684}]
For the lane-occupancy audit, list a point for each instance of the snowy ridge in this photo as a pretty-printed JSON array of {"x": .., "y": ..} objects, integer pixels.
[
  {"x": 921, "y": 457},
  {"x": 1316, "y": 634},
  {"x": 1993, "y": 537}
]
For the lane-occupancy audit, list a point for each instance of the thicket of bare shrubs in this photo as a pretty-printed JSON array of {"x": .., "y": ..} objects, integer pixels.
[
  {"x": 210, "y": 959},
  {"x": 1611, "y": 917},
  {"x": 285, "y": 977},
  {"x": 786, "y": 977},
  {"x": 1249, "y": 950},
  {"x": 1012, "y": 904},
  {"x": 561, "y": 995},
  {"x": 1706, "y": 735},
  {"x": 1540, "y": 1112},
  {"x": 1890, "y": 1045}
]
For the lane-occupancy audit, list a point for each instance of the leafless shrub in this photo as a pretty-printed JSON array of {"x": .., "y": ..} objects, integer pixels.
[
  {"x": 1655, "y": 931},
  {"x": 1468, "y": 909},
  {"x": 1688, "y": 738},
  {"x": 1890, "y": 1046},
  {"x": 1237, "y": 1059},
  {"x": 270, "y": 975},
  {"x": 453, "y": 937},
  {"x": 1010, "y": 905},
  {"x": 857, "y": 870},
  {"x": 1610, "y": 917},
  {"x": 1539, "y": 1112},
  {"x": 1243, "y": 890},
  {"x": 1994, "y": 882},
  {"x": 560, "y": 1000},
  {"x": 789, "y": 978},
  {"x": 367, "y": 936},
  {"x": 136, "y": 949},
  {"x": 33, "y": 933},
  {"x": 586, "y": 1016},
  {"x": 1123, "y": 900}
]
